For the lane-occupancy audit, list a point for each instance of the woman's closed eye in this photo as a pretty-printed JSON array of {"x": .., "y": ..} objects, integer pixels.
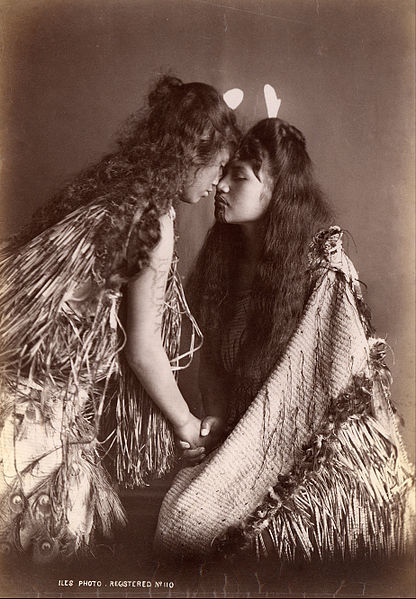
[{"x": 237, "y": 173}]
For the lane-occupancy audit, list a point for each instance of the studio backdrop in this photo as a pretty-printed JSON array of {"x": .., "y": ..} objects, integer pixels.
[{"x": 73, "y": 70}]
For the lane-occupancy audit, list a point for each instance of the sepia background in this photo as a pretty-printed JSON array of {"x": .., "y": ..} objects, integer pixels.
[{"x": 73, "y": 70}]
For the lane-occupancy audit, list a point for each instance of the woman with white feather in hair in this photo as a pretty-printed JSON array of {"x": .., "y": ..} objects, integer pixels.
[{"x": 306, "y": 458}]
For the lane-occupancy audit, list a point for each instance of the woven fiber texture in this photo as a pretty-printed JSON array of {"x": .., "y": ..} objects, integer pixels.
[{"x": 219, "y": 500}]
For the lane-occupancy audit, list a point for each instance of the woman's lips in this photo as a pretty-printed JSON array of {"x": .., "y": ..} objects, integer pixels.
[
  {"x": 219, "y": 209},
  {"x": 220, "y": 200}
]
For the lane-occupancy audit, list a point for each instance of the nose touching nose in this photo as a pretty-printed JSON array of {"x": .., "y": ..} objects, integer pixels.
[
  {"x": 217, "y": 178},
  {"x": 220, "y": 182},
  {"x": 223, "y": 185}
]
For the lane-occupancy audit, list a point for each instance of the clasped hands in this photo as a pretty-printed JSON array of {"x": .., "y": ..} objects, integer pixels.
[{"x": 197, "y": 438}]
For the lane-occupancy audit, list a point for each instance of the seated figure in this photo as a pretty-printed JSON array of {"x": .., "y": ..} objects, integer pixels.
[{"x": 309, "y": 462}]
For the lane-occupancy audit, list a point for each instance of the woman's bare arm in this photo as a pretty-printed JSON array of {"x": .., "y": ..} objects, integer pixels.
[{"x": 144, "y": 349}]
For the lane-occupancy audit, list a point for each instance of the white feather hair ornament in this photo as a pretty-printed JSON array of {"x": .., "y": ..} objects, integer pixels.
[
  {"x": 272, "y": 101},
  {"x": 233, "y": 98}
]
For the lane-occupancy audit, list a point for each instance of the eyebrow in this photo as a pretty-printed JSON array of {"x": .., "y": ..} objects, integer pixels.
[{"x": 237, "y": 166}]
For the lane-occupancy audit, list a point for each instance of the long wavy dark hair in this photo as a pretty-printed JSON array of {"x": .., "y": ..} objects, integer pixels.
[
  {"x": 182, "y": 126},
  {"x": 282, "y": 283}
]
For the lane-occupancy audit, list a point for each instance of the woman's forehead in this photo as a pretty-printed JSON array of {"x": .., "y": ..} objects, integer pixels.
[
  {"x": 222, "y": 157},
  {"x": 238, "y": 163}
]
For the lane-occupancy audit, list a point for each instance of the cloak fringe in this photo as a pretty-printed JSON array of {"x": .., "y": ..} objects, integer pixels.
[{"x": 348, "y": 497}]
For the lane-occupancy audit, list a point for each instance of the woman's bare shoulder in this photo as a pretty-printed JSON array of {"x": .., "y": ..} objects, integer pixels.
[{"x": 163, "y": 250}]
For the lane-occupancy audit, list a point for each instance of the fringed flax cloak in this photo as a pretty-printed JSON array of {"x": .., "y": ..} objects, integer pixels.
[
  {"x": 315, "y": 468},
  {"x": 62, "y": 368}
]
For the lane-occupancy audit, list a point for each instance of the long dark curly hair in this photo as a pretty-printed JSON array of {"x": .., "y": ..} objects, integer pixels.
[
  {"x": 182, "y": 126},
  {"x": 282, "y": 283}
]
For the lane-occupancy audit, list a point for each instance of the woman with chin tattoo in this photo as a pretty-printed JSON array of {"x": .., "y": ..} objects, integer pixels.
[{"x": 306, "y": 459}]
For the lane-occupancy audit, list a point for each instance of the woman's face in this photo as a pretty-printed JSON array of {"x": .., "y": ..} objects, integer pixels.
[
  {"x": 202, "y": 181},
  {"x": 242, "y": 197}
]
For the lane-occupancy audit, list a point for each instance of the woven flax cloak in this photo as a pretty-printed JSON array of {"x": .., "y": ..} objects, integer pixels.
[
  {"x": 62, "y": 371},
  {"x": 316, "y": 466}
]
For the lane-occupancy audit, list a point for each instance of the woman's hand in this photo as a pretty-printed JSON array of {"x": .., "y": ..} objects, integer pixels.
[
  {"x": 212, "y": 433},
  {"x": 190, "y": 432},
  {"x": 213, "y": 429}
]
